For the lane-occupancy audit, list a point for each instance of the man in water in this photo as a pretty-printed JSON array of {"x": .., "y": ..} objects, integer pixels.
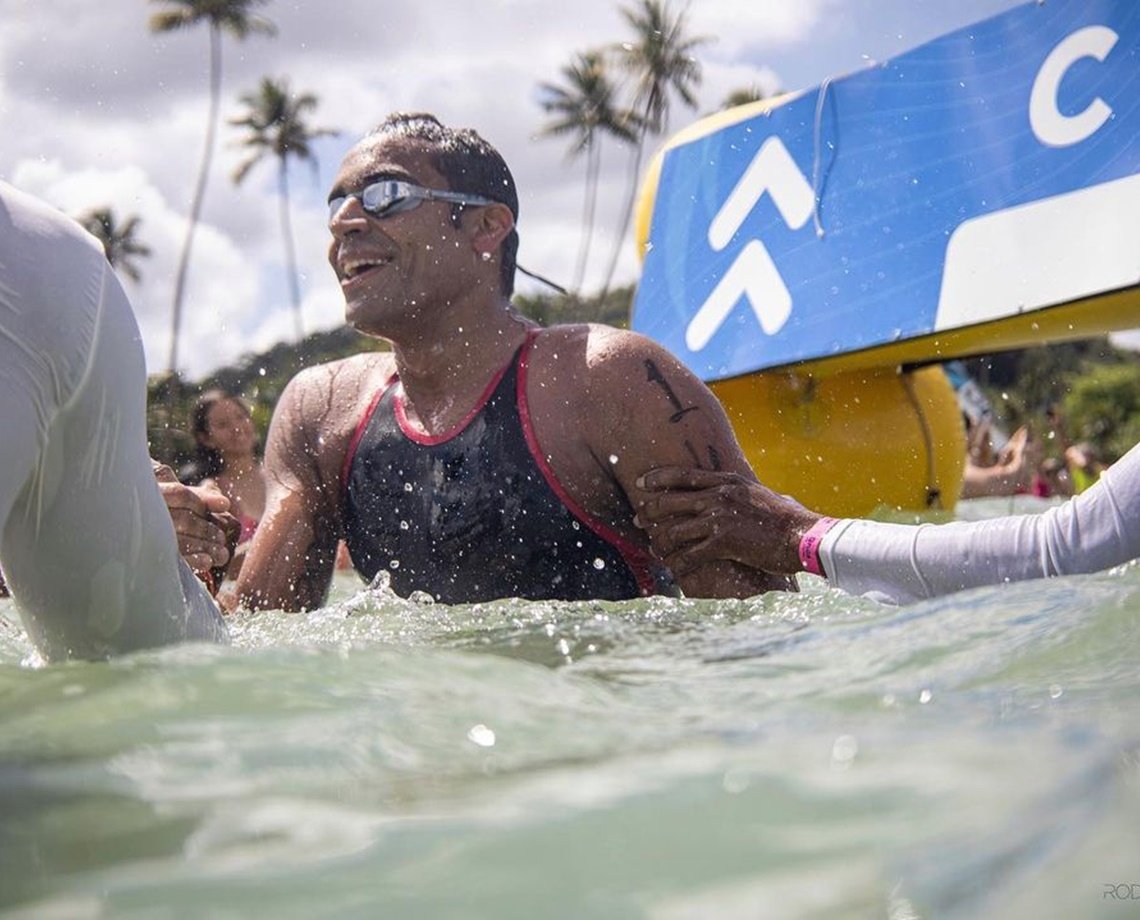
[
  {"x": 484, "y": 456},
  {"x": 86, "y": 541}
]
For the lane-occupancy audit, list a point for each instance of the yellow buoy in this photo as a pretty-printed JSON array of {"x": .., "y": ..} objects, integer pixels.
[{"x": 851, "y": 443}]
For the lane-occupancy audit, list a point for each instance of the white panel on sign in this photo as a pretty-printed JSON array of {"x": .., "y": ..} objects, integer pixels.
[{"x": 1043, "y": 253}]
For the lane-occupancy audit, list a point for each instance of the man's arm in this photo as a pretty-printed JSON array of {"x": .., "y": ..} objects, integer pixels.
[
  {"x": 290, "y": 561},
  {"x": 651, "y": 411},
  {"x": 701, "y": 515}
]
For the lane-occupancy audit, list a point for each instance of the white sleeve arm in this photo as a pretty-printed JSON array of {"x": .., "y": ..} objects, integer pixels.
[
  {"x": 899, "y": 563},
  {"x": 86, "y": 541}
]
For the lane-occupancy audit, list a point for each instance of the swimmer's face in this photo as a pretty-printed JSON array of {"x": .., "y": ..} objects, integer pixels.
[
  {"x": 229, "y": 427},
  {"x": 398, "y": 270}
]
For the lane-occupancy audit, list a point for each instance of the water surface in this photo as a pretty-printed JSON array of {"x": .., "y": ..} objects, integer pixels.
[{"x": 810, "y": 755}]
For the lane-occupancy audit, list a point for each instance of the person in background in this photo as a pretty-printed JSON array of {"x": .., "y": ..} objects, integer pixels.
[
  {"x": 1051, "y": 479},
  {"x": 697, "y": 516},
  {"x": 1084, "y": 466},
  {"x": 227, "y": 459},
  {"x": 1010, "y": 472},
  {"x": 87, "y": 543},
  {"x": 484, "y": 456},
  {"x": 996, "y": 464}
]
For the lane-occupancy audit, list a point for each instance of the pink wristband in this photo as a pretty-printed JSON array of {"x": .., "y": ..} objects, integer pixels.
[{"x": 809, "y": 545}]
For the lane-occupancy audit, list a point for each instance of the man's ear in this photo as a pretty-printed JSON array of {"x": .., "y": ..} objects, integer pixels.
[{"x": 491, "y": 225}]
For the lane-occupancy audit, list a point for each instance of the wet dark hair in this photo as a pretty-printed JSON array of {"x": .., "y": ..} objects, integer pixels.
[
  {"x": 208, "y": 462},
  {"x": 469, "y": 164}
]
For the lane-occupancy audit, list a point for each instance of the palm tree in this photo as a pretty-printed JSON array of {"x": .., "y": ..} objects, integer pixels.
[
  {"x": 119, "y": 240},
  {"x": 584, "y": 107},
  {"x": 236, "y": 18},
  {"x": 276, "y": 122},
  {"x": 743, "y": 96},
  {"x": 661, "y": 61}
]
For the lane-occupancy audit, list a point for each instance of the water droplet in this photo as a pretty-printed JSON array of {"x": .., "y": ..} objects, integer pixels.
[
  {"x": 843, "y": 752},
  {"x": 563, "y": 647},
  {"x": 925, "y": 696},
  {"x": 394, "y": 564},
  {"x": 599, "y": 564},
  {"x": 407, "y": 487},
  {"x": 1055, "y": 692},
  {"x": 481, "y": 735},
  {"x": 404, "y": 525},
  {"x": 613, "y": 458}
]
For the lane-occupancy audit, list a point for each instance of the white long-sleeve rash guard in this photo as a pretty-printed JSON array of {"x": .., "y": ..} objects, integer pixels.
[
  {"x": 86, "y": 542},
  {"x": 899, "y": 563}
]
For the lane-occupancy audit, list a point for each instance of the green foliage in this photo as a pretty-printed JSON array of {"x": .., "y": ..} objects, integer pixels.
[
  {"x": 259, "y": 379},
  {"x": 1103, "y": 406},
  {"x": 743, "y": 96},
  {"x": 1094, "y": 385},
  {"x": 235, "y": 17},
  {"x": 119, "y": 238},
  {"x": 557, "y": 309}
]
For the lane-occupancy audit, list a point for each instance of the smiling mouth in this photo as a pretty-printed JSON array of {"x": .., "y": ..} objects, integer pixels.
[{"x": 356, "y": 267}]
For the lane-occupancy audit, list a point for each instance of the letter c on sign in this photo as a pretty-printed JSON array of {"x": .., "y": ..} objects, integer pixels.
[{"x": 1051, "y": 126}]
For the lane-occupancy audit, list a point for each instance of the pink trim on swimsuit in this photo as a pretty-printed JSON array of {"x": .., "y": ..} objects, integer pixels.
[
  {"x": 248, "y": 526},
  {"x": 429, "y": 440},
  {"x": 639, "y": 561},
  {"x": 359, "y": 432}
]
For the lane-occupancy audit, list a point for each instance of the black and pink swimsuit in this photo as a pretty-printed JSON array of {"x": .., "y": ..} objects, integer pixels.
[{"x": 477, "y": 513}]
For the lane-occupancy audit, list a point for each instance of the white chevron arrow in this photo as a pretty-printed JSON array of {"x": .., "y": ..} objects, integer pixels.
[{"x": 752, "y": 274}]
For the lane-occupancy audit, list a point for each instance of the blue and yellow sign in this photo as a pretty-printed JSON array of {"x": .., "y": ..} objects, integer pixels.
[{"x": 992, "y": 173}]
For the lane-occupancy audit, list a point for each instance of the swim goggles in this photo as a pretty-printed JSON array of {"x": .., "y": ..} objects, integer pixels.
[{"x": 391, "y": 196}]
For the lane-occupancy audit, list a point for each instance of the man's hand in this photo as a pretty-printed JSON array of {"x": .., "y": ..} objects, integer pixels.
[
  {"x": 701, "y": 516},
  {"x": 207, "y": 532}
]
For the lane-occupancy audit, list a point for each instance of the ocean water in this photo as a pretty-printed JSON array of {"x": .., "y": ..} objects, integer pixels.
[{"x": 789, "y": 756}]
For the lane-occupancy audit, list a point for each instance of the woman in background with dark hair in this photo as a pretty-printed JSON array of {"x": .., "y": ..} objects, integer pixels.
[{"x": 227, "y": 458}]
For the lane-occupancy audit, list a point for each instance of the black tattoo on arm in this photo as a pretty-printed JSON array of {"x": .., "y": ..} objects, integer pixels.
[
  {"x": 654, "y": 375},
  {"x": 714, "y": 463}
]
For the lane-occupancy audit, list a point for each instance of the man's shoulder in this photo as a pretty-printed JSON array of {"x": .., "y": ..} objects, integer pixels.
[
  {"x": 590, "y": 364},
  {"x": 597, "y": 342},
  {"x": 328, "y": 399}
]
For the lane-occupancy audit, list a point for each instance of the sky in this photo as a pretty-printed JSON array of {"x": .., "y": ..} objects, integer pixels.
[{"x": 96, "y": 110}]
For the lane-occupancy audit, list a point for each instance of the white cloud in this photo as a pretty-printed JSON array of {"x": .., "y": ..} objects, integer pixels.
[
  {"x": 96, "y": 109},
  {"x": 742, "y": 27}
]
